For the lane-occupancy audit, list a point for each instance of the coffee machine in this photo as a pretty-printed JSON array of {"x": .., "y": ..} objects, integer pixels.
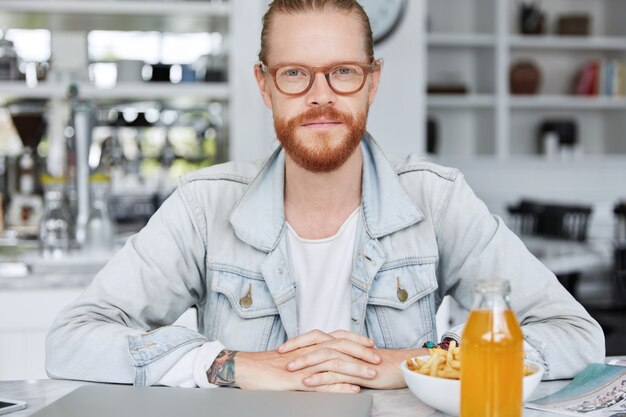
[{"x": 25, "y": 204}]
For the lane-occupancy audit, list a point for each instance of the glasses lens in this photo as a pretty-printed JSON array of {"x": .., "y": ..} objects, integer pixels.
[
  {"x": 346, "y": 78},
  {"x": 293, "y": 79}
]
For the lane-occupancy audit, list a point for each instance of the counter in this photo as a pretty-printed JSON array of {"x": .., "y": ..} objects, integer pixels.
[{"x": 32, "y": 292}]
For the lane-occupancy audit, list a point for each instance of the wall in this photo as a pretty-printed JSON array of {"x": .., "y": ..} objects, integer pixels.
[{"x": 397, "y": 117}]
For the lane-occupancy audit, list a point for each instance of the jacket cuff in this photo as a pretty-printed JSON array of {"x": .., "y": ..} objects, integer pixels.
[
  {"x": 156, "y": 352},
  {"x": 204, "y": 359},
  {"x": 454, "y": 334}
]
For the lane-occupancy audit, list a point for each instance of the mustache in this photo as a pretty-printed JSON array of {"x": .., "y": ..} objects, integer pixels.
[{"x": 318, "y": 113}]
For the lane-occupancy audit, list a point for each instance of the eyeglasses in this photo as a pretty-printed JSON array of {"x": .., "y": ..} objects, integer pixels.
[{"x": 344, "y": 78}]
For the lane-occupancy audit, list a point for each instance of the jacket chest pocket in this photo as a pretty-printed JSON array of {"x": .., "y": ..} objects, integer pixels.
[
  {"x": 244, "y": 316},
  {"x": 401, "y": 306}
]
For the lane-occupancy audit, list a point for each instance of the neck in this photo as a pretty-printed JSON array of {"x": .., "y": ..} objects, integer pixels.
[{"x": 317, "y": 204}]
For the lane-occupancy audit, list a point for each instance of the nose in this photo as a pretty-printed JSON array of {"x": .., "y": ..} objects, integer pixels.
[{"x": 320, "y": 93}]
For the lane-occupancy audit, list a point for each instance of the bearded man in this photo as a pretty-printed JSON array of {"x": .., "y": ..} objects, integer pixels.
[{"x": 321, "y": 268}]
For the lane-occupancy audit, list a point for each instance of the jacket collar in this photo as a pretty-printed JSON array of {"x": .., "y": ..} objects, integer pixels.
[
  {"x": 259, "y": 217},
  {"x": 387, "y": 207}
]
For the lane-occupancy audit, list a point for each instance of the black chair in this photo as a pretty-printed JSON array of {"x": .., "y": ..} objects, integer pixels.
[
  {"x": 619, "y": 275},
  {"x": 557, "y": 221}
]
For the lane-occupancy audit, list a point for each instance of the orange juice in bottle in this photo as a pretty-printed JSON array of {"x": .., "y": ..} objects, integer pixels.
[{"x": 492, "y": 355}]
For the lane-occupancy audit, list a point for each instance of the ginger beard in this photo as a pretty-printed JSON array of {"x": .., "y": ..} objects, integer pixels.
[{"x": 320, "y": 152}]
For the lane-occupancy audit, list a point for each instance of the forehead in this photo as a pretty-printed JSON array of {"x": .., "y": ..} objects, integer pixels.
[{"x": 316, "y": 38}]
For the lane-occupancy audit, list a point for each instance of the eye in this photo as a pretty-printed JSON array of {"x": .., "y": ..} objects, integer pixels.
[
  {"x": 345, "y": 71},
  {"x": 292, "y": 72}
]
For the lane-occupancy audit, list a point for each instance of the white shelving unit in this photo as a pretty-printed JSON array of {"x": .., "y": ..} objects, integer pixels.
[
  {"x": 591, "y": 43},
  {"x": 456, "y": 40},
  {"x": 238, "y": 20},
  {"x": 564, "y": 102},
  {"x": 475, "y": 43},
  {"x": 132, "y": 7},
  {"x": 125, "y": 91},
  {"x": 461, "y": 101},
  {"x": 492, "y": 135}
]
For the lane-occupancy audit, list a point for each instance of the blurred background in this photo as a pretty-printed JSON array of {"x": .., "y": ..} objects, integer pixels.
[{"x": 104, "y": 104}]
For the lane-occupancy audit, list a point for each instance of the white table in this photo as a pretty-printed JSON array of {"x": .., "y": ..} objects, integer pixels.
[
  {"x": 566, "y": 256},
  {"x": 397, "y": 403}
]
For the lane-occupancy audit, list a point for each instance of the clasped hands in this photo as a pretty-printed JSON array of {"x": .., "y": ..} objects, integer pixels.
[{"x": 340, "y": 361}]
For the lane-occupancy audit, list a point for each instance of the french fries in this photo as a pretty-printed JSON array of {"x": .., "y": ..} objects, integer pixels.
[
  {"x": 441, "y": 363},
  {"x": 444, "y": 363}
]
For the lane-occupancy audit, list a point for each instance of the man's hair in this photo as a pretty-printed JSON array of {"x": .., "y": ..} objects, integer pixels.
[{"x": 303, "y": 6}]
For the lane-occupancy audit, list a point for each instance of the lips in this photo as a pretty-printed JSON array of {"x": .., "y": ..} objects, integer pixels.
[{"x": 321, "y": 123}]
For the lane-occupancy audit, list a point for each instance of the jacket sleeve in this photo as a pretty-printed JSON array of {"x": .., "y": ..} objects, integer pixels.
[
  {"x": 475, "y": 244},
  {"x": 119, "y": 329}
]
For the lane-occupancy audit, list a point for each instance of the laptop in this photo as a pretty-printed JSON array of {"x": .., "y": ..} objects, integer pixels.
[{"x": 123, "y": 400}]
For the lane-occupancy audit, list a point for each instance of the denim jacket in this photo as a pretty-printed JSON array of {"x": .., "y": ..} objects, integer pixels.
[{"x": 221, "y": 236}]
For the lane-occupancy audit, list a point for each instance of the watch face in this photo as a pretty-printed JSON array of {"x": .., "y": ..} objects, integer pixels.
[{"x": 385, "y": 16}]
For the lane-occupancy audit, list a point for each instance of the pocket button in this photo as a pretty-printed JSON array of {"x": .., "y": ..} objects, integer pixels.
[
  {"x": 401, "y": 292},
  {"x": 246, "y": 300}
]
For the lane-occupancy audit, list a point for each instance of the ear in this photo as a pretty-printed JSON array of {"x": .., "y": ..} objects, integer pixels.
[
  {"x": 261, "y": 80},
  {"x": 373, "y": 88}
]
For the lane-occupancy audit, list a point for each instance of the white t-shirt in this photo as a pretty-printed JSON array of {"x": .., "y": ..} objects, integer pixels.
[{"x": 322, "y": 269}]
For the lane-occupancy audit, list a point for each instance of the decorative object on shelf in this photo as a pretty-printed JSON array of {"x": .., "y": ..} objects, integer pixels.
[
  {"x": 158, "y": 73},
  {"x": 9, "y": 61},
  {"x": 211, "y": 67},
  {"x": 578, "y": 24},
  {"x": 558, "y": 137},
  {"x": 525, "y": 78},
  {"x": 432, "y": 135},
  {"x": 603, "y": 77},
  {"x": 531, "y": 18},
  {"x": 385, "y": 16},
  {"x": 129, "y": 70},
  {"x": 55, "y": 229},
  {"x": 445, "y": 88}
]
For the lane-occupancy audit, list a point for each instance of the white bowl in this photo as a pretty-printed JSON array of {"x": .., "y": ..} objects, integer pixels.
[{"x": 445, "y": 394}]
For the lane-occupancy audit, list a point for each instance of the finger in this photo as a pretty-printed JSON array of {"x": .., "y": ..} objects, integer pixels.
[
  {"x": 340, "y": 388},
  {"x": 352, "y": 349},
  {"x": 322, "y": 379},
  {"x": 357, "y": 338},
  {"x": 345, "y": 350},
  {"x": 348, "y": 367},
  {"x": 308, "y": 339}
]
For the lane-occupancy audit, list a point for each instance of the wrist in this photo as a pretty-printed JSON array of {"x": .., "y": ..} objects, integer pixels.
[{"x": 246, "y": 364}]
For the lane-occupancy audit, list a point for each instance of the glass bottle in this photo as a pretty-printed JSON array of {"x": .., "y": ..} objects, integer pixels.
[
  {"x": 56, "y": 222},
  {"x": 100, "y": 232},
  {"x": 492, "y": 355}
]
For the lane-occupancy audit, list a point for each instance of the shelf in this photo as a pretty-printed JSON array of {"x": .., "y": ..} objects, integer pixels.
[
  {"x": 87, "y": 15},
  {"x": 461, "y": 40},
  {"x": 147, "y": 91},
  {"x": 134, "y": 7},
  {"x": 586, "y": 43},
  {"x": 441, "y": 101},
  {"x": 568, "y": 102},
  {"x": 537, "y": 161}
]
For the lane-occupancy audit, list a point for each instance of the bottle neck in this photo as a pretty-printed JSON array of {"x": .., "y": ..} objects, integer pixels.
[
  {"x": 492, "y": 295},
  {"x": 490, "y": 302},
  {"x": 53, "y": 199}
]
